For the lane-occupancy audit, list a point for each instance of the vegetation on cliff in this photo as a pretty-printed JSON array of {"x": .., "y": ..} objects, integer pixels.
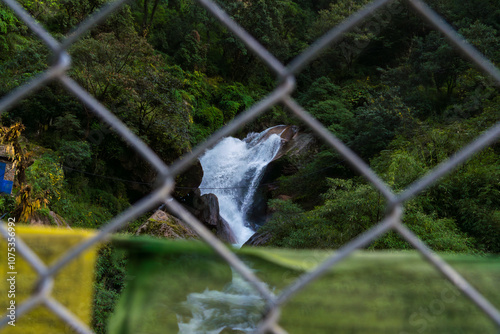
[{"x": 393, "y": 90}]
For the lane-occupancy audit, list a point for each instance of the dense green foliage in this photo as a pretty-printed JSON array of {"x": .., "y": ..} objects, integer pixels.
[
  {"x": 110, "y": 281},
  {"x": 393, "y": 90}
]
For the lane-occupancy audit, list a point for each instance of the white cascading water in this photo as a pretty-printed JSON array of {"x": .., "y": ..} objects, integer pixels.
[{"x": 232, "y": 171}]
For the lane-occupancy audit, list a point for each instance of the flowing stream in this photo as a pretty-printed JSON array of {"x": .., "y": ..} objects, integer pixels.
[{"x": 232, "y": 171}]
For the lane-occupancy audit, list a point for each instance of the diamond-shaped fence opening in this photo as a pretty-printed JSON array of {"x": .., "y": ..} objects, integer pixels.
[{"x": 280, "y": 95}]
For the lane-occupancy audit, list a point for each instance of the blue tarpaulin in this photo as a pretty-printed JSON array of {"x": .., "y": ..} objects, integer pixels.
[{"x": 5, "y": 185}]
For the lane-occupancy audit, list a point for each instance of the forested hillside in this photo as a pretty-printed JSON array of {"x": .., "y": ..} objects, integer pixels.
[{"x": 393, "y": 89}]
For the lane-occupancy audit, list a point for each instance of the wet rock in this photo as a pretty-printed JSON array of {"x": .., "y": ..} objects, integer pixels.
[
  {"x": 224, "y": 232},
  {"x": 289, "y": 133},
  {"x": 206, "y": 209},
  {"x": 296, "y": 145},
  {"x": 286, "y": 132},
  {"x": 259, "y": 239},
  {"x": 285, "y": 163}
]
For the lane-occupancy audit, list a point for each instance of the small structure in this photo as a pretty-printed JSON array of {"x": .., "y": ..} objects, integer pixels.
[{"x": 7, "y": 171}]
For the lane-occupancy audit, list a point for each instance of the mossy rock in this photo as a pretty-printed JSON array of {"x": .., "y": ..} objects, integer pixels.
[{"x": 163, "y": 225}]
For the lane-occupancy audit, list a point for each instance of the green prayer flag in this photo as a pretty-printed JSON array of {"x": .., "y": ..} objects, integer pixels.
[{"x": 184, "y": 287}]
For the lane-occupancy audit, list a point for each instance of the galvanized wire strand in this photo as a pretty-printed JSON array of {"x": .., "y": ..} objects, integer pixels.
[
  {"x": 116, "y": 124},
  {"x": 25, "y": 251},
  {"x": 123, "y": 218},
  {"x": 92, "y": 21},
  {"x": 277, "y": 329},
  {"x": 334, "y": 35},
  {"x": 269, "y": 323},
  {"x": 458, "y": 41},
  {"x": 246, "y": 38},
  {"x": 360, "y": 241},
  {"x": 65, "y": 315},
  {"x": 446, "y": 167},
  {"x": 35, "y": 84},
  {"x": 450, "y": 273},
  {"x": 352, "y": 158},
  {"x": 24, "y": 308},
  {"x": 270, "y": 100},
  {"x": 222, "y": 250},
  {"x": 39, "y": 295}
]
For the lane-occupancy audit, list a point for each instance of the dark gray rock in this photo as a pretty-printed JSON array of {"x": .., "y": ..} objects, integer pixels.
[
  {"x": 224, "y": 232},
  {"x": 206, "y": 209},
  {"x": 259, "y": 239},
  {"x": 189, "y": 180}
]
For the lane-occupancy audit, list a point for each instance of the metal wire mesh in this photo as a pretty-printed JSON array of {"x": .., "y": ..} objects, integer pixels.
[{"x": 281, "y": 94}]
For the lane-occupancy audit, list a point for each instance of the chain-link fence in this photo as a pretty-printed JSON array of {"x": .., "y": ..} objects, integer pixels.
[{"x": 280, "y": 95}]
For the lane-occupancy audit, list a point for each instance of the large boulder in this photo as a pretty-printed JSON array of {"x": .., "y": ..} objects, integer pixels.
[
  {"x": 293, "y": 141},
  {"x": 287, "y": 161},
  {"x": 52, "y": 219},
  {"x": 58, "y": 220},
  {"x": 189, "y": 180},
  {"x": 162, "y": 224},
  {"x": 206, "y": 209},
  {"x": 298, "y": 145}
]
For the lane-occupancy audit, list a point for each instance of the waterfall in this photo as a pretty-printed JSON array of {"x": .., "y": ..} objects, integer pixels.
[{"x": 232, "y": 171}]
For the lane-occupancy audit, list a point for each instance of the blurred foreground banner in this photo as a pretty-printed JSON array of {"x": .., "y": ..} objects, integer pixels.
[
  {"x": 184, "y": 287},
  {"x": 73, "y": 285}
]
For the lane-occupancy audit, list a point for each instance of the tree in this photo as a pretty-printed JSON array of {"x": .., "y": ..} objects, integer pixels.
[
  {"x": 436, "y": 63},
  {"x": 148, "y": 13},
  {"x": 192, "y": 54},
  {"x": 11, "y": 33},
  {"x": 45, "y": 181},
  {"x": 351, "y": 208},
  {"x": 125, "y": 74},
  {"x": 17, "y": 150},
  {"x": 484, "y": 37},
  {"x": 264, "y": 21},
  {"x": 38, "y": 181},
  {"x": 353, "y": 42},
  {"x": 468, "y": 196}
]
